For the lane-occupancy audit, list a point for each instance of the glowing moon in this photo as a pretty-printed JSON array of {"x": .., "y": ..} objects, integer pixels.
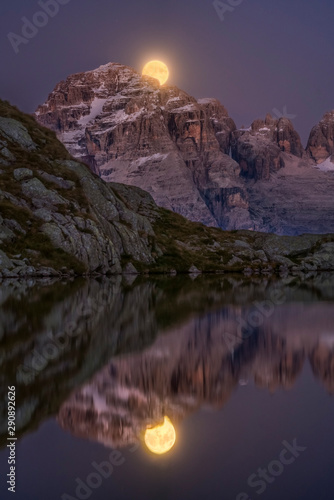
[
  {"x": 158, "y": 70},
  {"x": 161, "y": 438}
]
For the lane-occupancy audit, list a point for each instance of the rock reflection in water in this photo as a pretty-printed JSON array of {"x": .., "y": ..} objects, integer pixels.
[
  {"x": 195, "y": 364},
  {"x": 144, "y": 349}
]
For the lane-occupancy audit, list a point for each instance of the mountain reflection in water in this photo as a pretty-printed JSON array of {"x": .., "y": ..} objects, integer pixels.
[
  {"x": 196, "y": 364},
  {"x": 140, "y": 351}
]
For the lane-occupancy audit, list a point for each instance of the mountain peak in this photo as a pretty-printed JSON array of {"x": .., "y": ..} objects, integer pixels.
[
  {"x": 320, "y": 145},
  {"x": 188, "y": 154},
  {"x": 130, "y": 129}
]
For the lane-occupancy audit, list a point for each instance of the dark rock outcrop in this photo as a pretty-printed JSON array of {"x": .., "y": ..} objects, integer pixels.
[
  {"x": 321, "y": 141},
  {"x": 258, "y": 149}
]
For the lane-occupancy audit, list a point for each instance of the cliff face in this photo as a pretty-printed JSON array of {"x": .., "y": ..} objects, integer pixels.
[
  {"x": 258, "y": 149},
  {"x": 320, "y": 145},
  {"x": 131, "y": 130},
  {"x": 189, "y": 156}
]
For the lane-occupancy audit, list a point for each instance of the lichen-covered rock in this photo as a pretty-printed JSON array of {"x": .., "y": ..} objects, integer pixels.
[
  {"x": 130, "y": 269},
  {"x": 5, "y": 262},
  {"x": 6, "y": 234},
  {"x": 59, "y": 181},
  {"x": 323, "y": 258},
  {"x": 6, "y": 157},
  {"x": 17, "y": 132},
  {"x": 21, "y": 174},
  {"x": 40, "y": 195}
]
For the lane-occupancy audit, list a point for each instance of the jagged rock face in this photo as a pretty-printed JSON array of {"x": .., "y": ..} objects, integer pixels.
[
  {"x": 188, "y": 154},
  {"x": 123, "y": 116},
  {"x": 257, "y": 155},
  {"x": 287, "y": 194},
  {"x": 281, "y": 132},
  {"x": 297, "y": 199},
  {"x": 321, "y": 141},
  {"x": 131, "y": 130},
  {"x": 258, "y": 150}
]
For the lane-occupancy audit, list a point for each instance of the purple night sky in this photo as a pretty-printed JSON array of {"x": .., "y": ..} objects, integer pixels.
[{"x": 264, "y": 54}]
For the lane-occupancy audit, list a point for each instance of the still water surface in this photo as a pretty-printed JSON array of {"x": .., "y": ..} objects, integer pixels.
[{"x": 239, "y": 371}]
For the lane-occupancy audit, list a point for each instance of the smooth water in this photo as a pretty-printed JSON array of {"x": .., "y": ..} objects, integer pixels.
[{"x": 243, "y": 369}]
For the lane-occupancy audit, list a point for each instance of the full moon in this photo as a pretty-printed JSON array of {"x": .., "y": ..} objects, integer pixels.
[
  {"x": 161, "y": 438},
  {"x": 158, "y": 70}
]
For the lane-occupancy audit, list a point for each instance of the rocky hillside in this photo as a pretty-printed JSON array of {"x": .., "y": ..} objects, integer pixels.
[
  {"x": 189, "y": 156},
  {"x": 58, "y": 216}
]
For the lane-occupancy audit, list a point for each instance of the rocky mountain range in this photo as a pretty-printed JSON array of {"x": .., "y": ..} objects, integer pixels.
[
  {"x": 58, "y": 217},
  {"x": 190, "y": 156}
]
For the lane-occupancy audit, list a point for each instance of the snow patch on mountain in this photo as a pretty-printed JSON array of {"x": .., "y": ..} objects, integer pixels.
[
  {"x": 156, "y": 157},
  {"x": 95, "y": 110},
  {"x": 207, "y": 100},
  {"x": 326, "y": 166}
]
